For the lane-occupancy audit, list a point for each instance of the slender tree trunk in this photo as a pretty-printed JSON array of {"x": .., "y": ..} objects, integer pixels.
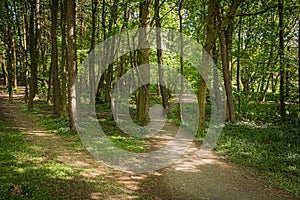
[
  {"x": 71, "y": 64},
  {"x": 238, "y": 67},
  {"x": 92, "y": 54},
  {"x": 281, "y": 57},
  {"x": 54, "y": 60},
  {"x": 63, "y": 72},
  {"x": 4, "y": 70},
  {"x": 181, "y": 61},
  {"x": 210, "y": 41},
  {"x": 162, "y": 84},
  {"x": 143, "y": 59},
  {"x": 34, "y": 50},
  {"x": 225, "y": 54},
  {"x": 14, "y": 58},
  {"x": 9, "y": 52},
  {"x": 227, "y": 79},
  {"x": 26, "y": 96},
  {"x": 299, "y": 61},
  {"x": 111, "y": 52}
]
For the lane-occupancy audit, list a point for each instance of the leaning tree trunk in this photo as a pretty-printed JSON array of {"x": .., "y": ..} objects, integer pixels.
[{"x": 227, "y": 79}]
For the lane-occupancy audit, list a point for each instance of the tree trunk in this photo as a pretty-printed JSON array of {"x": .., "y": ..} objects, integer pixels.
[
  {"x": 14, "y": 58},
  {"x": 299, "y": 61},
  {"x": 143, "y": 59},
  {"x": 34, "y": 50},
  {"x": 71, "y": 64},
  {"x": 238, "y": 66},
  {"x": 162, "y": 84},
  {"x": 181, "y": 61},
  {"x": 54, "y": 60},
  {"x": 63, "y": 72},
  {"x": 111, "y": 52},
  {"x": 26, "y": 95},
  {"x": 92, "y": 54},
  {"x": 281, "y": 57},
  {"x": 225, "y": 35},
  {"x": 227, "y": 79},
  {"x": 9, "y": 52},
  {"x": 4, "y": 71},
  {"x": 210, "y": 41}
]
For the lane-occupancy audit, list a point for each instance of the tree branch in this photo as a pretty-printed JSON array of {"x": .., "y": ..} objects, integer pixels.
[{"x": 253, "y": 14}]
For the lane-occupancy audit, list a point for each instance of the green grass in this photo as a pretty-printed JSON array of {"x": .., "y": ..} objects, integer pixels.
[
  {"x": 29, "y": 171},
  {"x": 21, "y": 176},
  {"x": 271, "y": 149}
]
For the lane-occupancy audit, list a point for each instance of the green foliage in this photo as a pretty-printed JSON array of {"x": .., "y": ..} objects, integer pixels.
[{"x": 272, "y": 149}]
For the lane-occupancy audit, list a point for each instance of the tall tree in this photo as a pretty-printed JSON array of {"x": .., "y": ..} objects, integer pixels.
[
  {"x": 159, "y": 52},
  {"x": 63, "y": 68},
  {"x": 54, "y": 60},
  {"x": 281, "y": 59},
  {"x": 92, "y": 54},
  {"x": 71, "y": 63},
  {"x": 181, "y": 60},
  {"x": 143, "y": 59},
  {"x": 225, "y": 35},
  {"x": 9, "y": 50},
  {"x": 34, "y": 35}
]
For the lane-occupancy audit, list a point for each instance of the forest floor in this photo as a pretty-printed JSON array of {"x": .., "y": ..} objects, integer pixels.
[{"x": 53, "y": 166}]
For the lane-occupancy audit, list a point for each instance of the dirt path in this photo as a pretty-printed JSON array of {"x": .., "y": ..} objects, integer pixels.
[{"x": 188, "y": 178}]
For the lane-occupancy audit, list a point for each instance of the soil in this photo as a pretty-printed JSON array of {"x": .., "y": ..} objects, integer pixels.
[{"x": 187, "y": 178}]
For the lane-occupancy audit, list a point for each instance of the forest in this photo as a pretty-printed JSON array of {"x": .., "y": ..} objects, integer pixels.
[{"x": 221, "y": 75}]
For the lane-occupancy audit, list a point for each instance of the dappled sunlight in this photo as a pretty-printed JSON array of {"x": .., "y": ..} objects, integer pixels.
[{"x": 191, "y": 161}]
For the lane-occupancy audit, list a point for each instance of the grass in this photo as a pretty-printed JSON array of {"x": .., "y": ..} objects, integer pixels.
[
  {"x": 260, "y": 141},
  {"x": 21, "y": 176},
  {"x": 272, "y": 149},
  {"x": 30, "y": 171}
]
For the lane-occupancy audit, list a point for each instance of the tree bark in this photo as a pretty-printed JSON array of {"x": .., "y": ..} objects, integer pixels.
[
  {"x": 92, "y": 54},
  {"x": 71, "y": 64},
  {"x": 63, "y": 70},
  {"x": 162, "y": 84},
  {"x": 9, "y": 52},
  {"x": 281, "y": 58},
  {"x": 34, "y": 33},
  {"x": 181, "y": 61},
  {"x": 299, "y": 61},
  {"x": 227, "y": 79},
  {"x": 14, "y": 58},
  {"x": 211, "y": 36},
  {"x": 54, "y": 60},
  {"x": 143, "y": 59}
]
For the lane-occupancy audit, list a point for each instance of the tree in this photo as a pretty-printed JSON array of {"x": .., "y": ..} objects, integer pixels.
[
  {"x": 63, "y": 68},
  {"x": 92, "y": 54},
  {"x": 34, "y": 37},
  {"x": 159, "y": 52},
  {"x": 143, "y": 59},
  {"x": 54, "y": 60},
  {"x": 281, "y": 59},
  {"x": 71, "y": 63},
  {"x": 225, "y": 35},
  {"x": 9, "y": 51}
]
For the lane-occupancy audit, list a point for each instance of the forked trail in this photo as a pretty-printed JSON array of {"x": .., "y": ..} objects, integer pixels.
[{"x": 188, "y": 178}]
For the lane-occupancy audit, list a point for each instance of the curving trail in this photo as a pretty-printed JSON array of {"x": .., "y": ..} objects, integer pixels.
[{"x": 188, "y": 178}]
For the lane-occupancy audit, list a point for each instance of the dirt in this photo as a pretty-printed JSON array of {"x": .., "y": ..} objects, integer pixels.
[{"x": 187, "y": 178}]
